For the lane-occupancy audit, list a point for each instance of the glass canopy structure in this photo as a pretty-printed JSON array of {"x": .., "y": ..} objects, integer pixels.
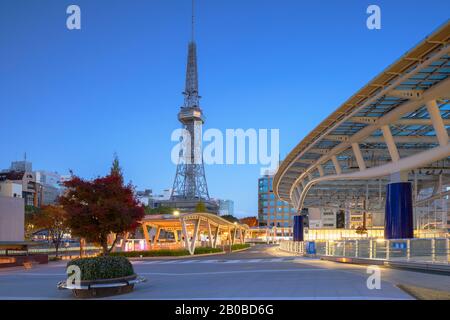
[{"x": 395, "y": 129}]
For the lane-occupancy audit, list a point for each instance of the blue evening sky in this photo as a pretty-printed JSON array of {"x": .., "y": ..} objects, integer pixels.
[{"x": 70, "y": 99}]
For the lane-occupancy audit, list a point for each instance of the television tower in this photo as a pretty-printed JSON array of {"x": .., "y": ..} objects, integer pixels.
[{"x": 189, "y": 186}]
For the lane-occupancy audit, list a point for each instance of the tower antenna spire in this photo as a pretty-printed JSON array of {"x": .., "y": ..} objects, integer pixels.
[{"x": 193, "y": 21}]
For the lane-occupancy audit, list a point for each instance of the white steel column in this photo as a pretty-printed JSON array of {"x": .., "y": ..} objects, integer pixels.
[
  {"x": 336, "y": 164},
  {"x": 229, "y": 238},
  {"x": 146, "y": 235},
  {"x": 216, "y": 237},
  {"x": 194, "y": 236},
  {"x": 320, "y": 169},
  {"x": 155, "y": 240},
  {"x": 438, "y": 123},
  {"x": 234, "y": 235},
  {"x": 358, "y": 156},
  {"x": 393, "y": 151},
  {"x": 210, "y": 235},
  {"x": 185, "y": 234}
]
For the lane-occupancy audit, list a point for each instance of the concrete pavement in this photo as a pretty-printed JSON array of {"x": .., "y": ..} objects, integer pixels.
[{"x": 259, "y": 273}]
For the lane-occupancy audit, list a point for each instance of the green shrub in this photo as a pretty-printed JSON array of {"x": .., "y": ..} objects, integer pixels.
[
  {"x": 240, "y": 246},
  {"x": 206, "y": 250},
  {"x": 103, "y": 267},
  {"x": 165, "y": 252}
]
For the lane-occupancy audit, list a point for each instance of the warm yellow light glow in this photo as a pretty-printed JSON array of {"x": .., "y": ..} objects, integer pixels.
[{"x": 176, "y": 213}]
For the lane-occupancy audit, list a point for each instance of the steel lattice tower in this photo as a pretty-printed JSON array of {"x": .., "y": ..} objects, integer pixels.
[{"x": 190, "y": 181}]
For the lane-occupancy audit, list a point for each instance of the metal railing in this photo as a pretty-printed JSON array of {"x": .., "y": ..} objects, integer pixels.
[
  {"x": 293, "y": 246},
  {"x": 436, "y": 250}
]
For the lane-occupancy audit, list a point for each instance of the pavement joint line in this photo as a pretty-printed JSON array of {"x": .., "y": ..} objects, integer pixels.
[{"x": 230, "y": 272}]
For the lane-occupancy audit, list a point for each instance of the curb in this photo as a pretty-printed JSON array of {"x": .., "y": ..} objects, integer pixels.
[
  {"x": 239, "y": 250},
  {"x": 175, "y": 257}
]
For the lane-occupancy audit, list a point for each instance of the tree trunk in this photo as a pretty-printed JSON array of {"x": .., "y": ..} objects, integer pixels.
[
  {"x": 81, "y": 247},
  {"x": 105, "y": 247},
  {"x": 114, "y": 243}
]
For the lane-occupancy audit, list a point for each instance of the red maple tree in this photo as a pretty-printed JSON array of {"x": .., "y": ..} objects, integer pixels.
[
  {"x": 250, "y": 221},
  {"x": 101, "y": 207}
]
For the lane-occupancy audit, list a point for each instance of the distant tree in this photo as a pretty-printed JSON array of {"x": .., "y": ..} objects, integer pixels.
[
  {"x": 200, "y": 207},
  {"x": 160, "y": 210},
  {"x": 30, "y": 228},
  {"x": 230, "y": 218},
  {"x": 100, "y": 207},
  {"x": 250, "y": 221},
  {"x": 115, "y": 168},
  {"x": 53, "y": 219}
]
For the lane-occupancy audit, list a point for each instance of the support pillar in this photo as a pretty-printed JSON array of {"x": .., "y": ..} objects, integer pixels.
[
  {"x": 146, "y": 235},
  {"x": 210, "y": 235},
  {"x": 438, "y": 122},
  {"x": 158, "y": 232},
  {"x": 185, "y": 235},
  {"x": 233, "y": 240},
  {"x": 229, "y": 239},
  {"x": 399, "y": 211},
  {"x": 298, "y": 228},
  {"x": 337, "y": 166},
  {"x": 194, "y": 237},
  {"x": 216, "y": 236}
]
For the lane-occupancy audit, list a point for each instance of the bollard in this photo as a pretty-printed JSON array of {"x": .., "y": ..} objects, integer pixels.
[
  {"x": 447, "y": 249},
  {"x": 433, "y": 250},
  {"x": 408, "y": 249},
  {"x": 388, "y": 249}
]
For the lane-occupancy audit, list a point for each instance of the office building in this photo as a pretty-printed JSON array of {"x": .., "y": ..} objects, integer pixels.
[
  {"x": 226, "y": 207},
  {"x": 272, "y": 211}
]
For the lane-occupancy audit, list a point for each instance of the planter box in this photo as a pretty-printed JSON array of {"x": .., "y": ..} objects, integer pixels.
[{"x": 102, "y": 287}]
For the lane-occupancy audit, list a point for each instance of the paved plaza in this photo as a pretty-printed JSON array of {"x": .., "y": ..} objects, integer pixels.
[{"x": 262, "y": 272}]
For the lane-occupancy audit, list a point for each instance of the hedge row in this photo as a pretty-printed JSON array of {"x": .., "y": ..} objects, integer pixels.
[
  {"x": 164, "y": 253},
  {"x": 240, "y": 246}
]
